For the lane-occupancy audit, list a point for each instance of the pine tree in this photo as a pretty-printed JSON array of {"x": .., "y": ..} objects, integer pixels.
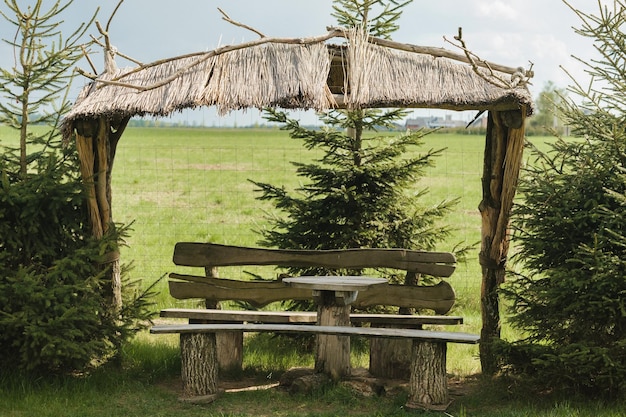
[
  {"x": 571, "y": 233},
  {"x": 36, "y": 87},
  {"x": 355, "y": 195},
  {"x": 54, "y": 310}
]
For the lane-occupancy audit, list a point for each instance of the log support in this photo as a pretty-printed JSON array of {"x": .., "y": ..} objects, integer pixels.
[
  {"x": 428, "y": 384},
  {"x": 199, "y": 371},
  {"x": 96, "y": 143},
  {"x": 333, "y": 352},
  {"x": 503, "y": 156},
  {"x": 391, "y": 358},
  {"x": 229, "y": 344}
]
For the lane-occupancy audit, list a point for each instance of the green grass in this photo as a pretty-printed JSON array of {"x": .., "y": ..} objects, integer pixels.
[{"x": 192, "y": 185}]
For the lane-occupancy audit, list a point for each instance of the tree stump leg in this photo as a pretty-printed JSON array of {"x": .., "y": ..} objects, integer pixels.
[
  {"x": 198, "y": 354},
  {"x": 428, "y": 384},
  {"x": 333, "y": 352},
  {"x": 391, "y": 358},
  {"x": 229, "y": 348},
  {"x": 230, "y": 351}
]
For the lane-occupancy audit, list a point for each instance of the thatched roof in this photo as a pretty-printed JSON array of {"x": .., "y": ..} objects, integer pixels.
[{"x": 298, "y": 76}]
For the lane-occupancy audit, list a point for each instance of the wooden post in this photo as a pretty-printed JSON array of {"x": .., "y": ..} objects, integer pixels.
[
  {"x": 428, "y": 386},
  {"x": 503, "y": 155},
  {"x": 333, "y": 352},
  {"x": 96, "y": 143}
]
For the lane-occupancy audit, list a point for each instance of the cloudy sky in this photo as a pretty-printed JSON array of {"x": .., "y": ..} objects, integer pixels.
[{"x": 512, "y": 33}]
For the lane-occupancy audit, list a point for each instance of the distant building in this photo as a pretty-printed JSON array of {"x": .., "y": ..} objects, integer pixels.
[{"x": 435, "y": 122}]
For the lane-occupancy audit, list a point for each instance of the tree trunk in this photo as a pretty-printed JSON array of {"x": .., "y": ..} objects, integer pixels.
[
  {"x": 96, "y": 143},
  {"x": 198, "y": 364},
  {"x": 333, "y": 352},
  {"x": 429, "y": 383}
]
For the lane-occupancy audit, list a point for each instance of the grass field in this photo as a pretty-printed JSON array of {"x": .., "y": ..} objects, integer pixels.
[{"x": 193, "y": 185}]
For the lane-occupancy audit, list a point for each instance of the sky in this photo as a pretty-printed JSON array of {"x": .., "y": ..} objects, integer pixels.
[{"x": 512, "y": 33}]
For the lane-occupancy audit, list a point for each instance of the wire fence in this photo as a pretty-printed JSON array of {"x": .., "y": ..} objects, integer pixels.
[{"x": 195, "y": 185}]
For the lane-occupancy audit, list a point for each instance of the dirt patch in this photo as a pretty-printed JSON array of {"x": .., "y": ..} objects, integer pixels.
[{"x": 361, "y": 383}]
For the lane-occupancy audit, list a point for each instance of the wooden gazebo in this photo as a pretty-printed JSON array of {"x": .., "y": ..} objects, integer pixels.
[{"x": 312, "y": 73}]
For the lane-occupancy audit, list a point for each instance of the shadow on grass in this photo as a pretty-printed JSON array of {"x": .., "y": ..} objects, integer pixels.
[{"x": 146, "y": 382}]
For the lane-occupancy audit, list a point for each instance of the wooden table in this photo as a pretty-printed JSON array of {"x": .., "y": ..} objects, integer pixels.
[{"x": 333, "y": 295}]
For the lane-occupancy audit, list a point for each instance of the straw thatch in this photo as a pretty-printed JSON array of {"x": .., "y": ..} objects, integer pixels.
[
  {"x": 385, "y": 77},
  {"x": 297, "y": 76},
  {"x": 292, "y": 76}
]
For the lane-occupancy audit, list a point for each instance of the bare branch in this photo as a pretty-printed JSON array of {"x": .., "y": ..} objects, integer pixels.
[
  {"x": 434, "y": 51},
  {"x": 118, "y": 53},
  {"x": 113, "y": 14},
  {"x": 231, "y": 21},
  {"x": 86, "y": 54},
  {"x": 87, "y": 74},
  {"x": 519, "y": 76}
]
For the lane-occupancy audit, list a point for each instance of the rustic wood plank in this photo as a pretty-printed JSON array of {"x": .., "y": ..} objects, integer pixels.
[
  {"x": 257, "y": 293},
  {"x": 426, "y": 335},
  {"x": 405, "y": 320},
  {"x": 439, "y": 298},
  {"x": 239, "y": 316},
  {"x": 440, "y": 264}
]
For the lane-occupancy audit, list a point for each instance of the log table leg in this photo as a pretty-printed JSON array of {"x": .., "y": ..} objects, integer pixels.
[
  {"x": 199, "y": 366},
  {"x": 229, "y": 349},
  {"x": 333, "y": 352},
  {"x": 429, "y": 384}
]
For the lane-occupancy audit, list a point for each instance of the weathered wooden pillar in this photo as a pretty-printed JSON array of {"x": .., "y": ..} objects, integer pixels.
[
  {"x": 96, "y": 143},
  {"x": 502, "y": 161},
  {"x": 229, "y": 344}
]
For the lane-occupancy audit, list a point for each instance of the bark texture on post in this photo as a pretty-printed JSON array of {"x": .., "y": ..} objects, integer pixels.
[
  {"x": 198, "y": 364},
  {"x": 333, "y": 352},
  {"x": 503, "y": 156},
  {"x": 429, "y": 383}
]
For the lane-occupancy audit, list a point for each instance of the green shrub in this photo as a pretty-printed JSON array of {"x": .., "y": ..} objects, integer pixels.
[
  {"x": 571, "y": 235},
  {"x": 54, "y": 299}
]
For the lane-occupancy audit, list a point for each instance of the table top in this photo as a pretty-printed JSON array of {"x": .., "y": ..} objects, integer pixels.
[{"x": 334, "y": 283}]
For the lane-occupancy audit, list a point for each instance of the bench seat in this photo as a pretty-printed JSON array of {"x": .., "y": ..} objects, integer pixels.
[
  {"x": 248, "y": 316},
  {"x": 426, "y": 335}
]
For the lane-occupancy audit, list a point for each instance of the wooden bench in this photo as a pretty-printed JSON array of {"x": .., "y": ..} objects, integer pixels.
[
  {"x": 428, "y": 387},
  {"x": 388, "y": 358}
]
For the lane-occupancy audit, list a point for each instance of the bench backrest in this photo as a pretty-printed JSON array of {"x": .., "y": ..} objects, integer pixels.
[
  {"x": 439, "y": 298},
  {"x": 439, "y": 264}
]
